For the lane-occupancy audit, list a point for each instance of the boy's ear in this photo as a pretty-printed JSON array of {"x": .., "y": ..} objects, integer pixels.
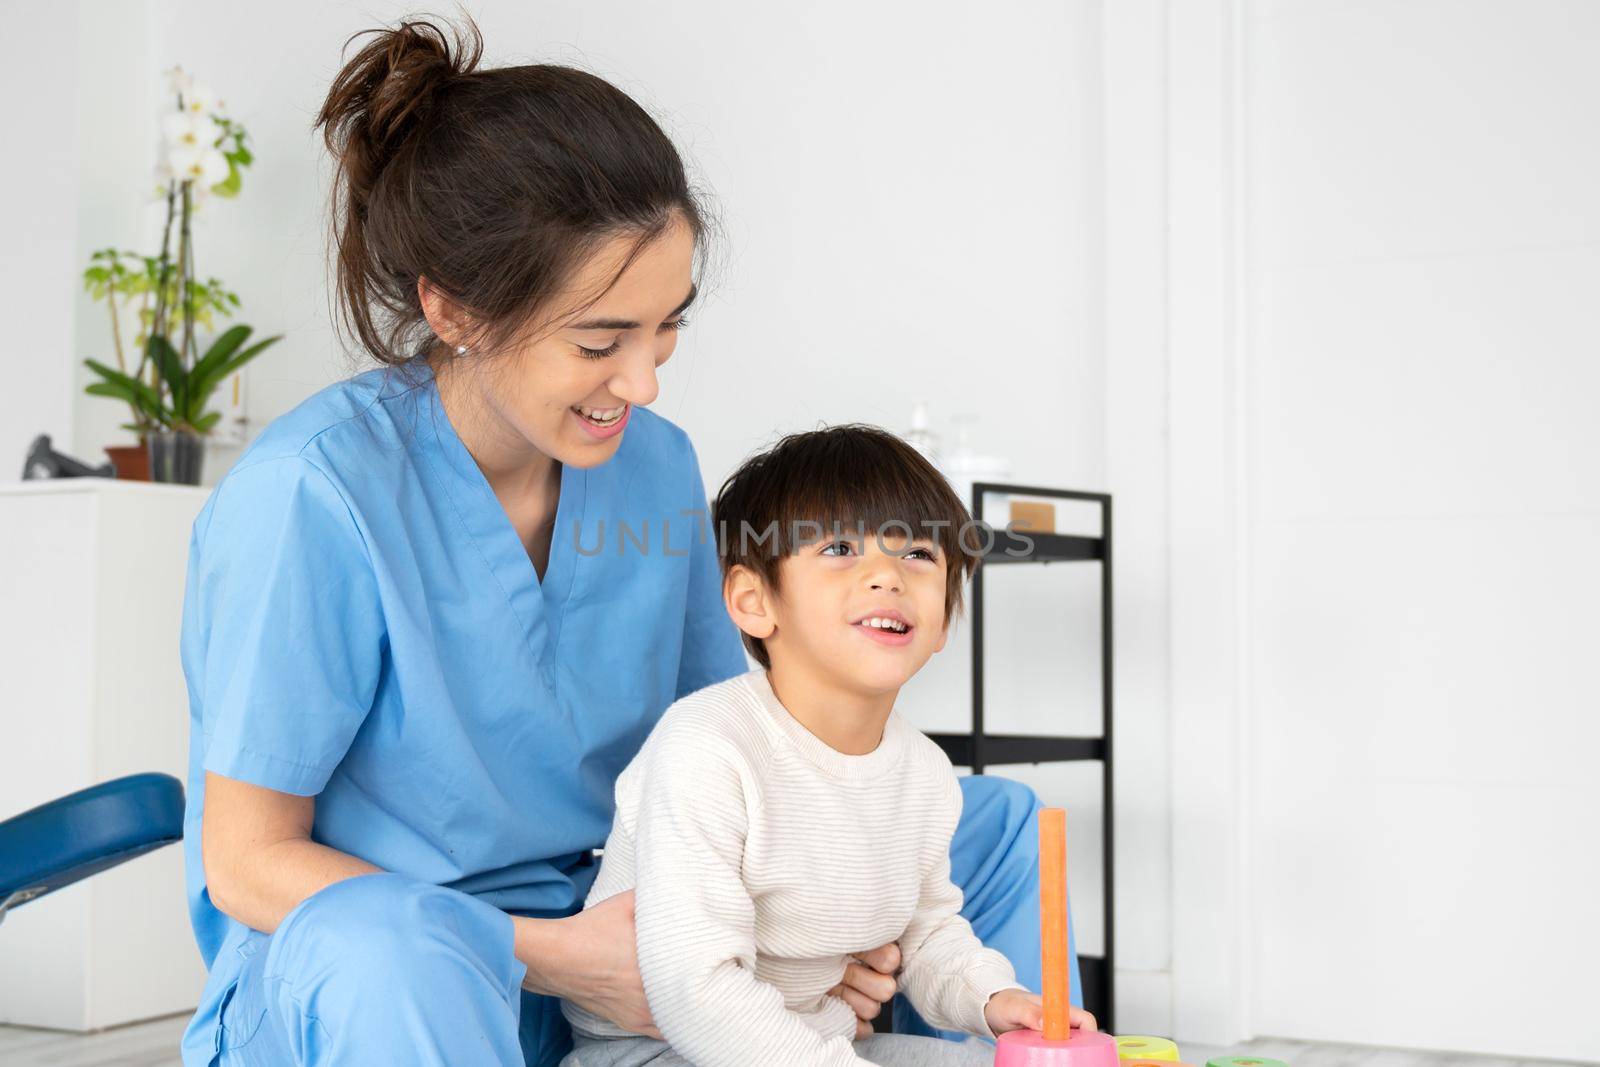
[{"x": 749, "y": 605}]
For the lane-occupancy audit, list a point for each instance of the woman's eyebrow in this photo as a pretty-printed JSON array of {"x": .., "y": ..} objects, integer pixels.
[{"x": 630, "y": 324}]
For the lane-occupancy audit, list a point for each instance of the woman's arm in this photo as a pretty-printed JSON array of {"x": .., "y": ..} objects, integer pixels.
[
  {"x": 258, "y": 854},
  {"x": 261, "y": 863}
]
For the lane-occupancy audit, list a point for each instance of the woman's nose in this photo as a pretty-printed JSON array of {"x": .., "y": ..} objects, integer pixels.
[{"x": 635, "y": 382}]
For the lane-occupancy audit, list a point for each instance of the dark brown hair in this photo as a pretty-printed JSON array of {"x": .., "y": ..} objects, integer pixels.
[
  {"x": 857, "y": 480},
  {"x": 495, "y": 185}
]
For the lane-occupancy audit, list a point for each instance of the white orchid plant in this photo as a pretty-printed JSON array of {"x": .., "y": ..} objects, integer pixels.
[{"x": 204, "y": 152}]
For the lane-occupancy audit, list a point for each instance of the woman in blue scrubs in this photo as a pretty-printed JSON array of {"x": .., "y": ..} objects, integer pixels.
[{"x": 435, "y": 609}]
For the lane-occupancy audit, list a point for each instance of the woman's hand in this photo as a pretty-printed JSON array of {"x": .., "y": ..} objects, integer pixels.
[
  {"x": 1014, "y": 1009},
  {"x": 868, "y": 988},
  {"x": 591, "y": 960}
]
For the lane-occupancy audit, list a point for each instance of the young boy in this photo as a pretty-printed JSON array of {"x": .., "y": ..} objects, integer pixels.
[{"x": 775, "y": 823}]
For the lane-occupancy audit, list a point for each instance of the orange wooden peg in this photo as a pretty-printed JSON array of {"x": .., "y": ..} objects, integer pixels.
[{"x": 1053, "y": 923}]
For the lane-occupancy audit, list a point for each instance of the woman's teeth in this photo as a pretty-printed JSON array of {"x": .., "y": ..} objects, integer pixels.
[
  {"x": 602, "y": 416},
  {"x": 885, "y": 624}
]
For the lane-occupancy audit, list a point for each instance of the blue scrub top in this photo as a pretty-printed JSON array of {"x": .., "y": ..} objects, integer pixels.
[{"x": 363, "y": 624}]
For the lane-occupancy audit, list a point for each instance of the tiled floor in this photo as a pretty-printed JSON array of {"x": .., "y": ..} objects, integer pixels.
[
  {"x": 1315, "y": 1054},
  {"x": 154, "y": 1044}
]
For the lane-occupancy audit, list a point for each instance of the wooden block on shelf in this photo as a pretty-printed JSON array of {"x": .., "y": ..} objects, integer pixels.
[{"x": 1033, "y": 516}]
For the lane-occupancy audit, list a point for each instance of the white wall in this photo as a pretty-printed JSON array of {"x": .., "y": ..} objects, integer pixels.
[
  {"x": 887, "y": 185},
  {"x": 912, "y": 197},
  {"x": 38, "y": 203},
  {"x": 891, "y": 188},
  {"x": 1425, "y": 249},
  {"x": 1399, "y": 422},
  {"x": 1312, "y": 278},
  {"x": 117, "y": 92},
  {"x": 1134, "y": 246}
]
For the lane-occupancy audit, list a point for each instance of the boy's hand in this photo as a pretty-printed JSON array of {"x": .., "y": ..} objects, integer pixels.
[
  {"x": 868, "y": 988},
  {"x": 1014, "y": 1009}
]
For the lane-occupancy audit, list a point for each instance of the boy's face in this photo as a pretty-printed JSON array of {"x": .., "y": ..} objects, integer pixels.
[{"x": 829, "y": 591}]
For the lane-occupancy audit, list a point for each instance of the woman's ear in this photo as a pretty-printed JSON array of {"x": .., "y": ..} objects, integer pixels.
[
  {"x": 444, "y": 318},
  {"x": 748, "y": 602}
]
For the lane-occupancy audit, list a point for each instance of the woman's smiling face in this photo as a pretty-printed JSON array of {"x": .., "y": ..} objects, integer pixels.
[{"x": 569, "y": 393}]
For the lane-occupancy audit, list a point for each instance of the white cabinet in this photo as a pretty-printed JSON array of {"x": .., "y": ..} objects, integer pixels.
[{"x": 91, "y": 688}]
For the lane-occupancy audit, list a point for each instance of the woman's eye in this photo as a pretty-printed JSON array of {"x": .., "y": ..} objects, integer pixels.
[
  {"x": 601, "y": 353},
  {"x": 611, "y": 350}
]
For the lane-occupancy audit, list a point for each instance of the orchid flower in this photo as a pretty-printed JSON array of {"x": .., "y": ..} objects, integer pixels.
[
  {"x": 182, "y": 129},
  {"x": 200, "y": 100},
  {"x": 204, "y": 165}
]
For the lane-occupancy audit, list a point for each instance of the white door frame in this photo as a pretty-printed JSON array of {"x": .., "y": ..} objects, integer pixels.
[{"x": 1209, "y": 501}]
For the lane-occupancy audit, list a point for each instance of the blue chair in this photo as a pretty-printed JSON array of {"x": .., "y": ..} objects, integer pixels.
[{"x": 89, "y": 831}]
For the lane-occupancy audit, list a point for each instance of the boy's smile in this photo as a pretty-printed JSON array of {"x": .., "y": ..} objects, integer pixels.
[{"x": 887, "y": 627}]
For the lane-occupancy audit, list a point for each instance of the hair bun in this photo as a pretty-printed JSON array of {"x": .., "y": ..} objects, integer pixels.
[{"x": 387, "y": 88}]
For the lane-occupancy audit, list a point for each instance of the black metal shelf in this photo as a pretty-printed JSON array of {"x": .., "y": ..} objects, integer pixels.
[
  {"x": 1010, "y": 547},
  {"x": 979, "y": 749},
  {"x": 1004, "y": 749}
]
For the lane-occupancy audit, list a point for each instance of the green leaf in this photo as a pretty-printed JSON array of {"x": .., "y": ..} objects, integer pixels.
[
  {"x": 170, "y": 366},
  {"x": 222, "y": 348},
  {"x": 229, "y": 186},
  {"x": 145, "y": 396},
  {"x": 117, "y": 378},
  {"x": 247, "y": 355},
  {"x": 205, "y": 422},
  {"x": 116, "y": 392},
  {"x": 223, "y": 371}
]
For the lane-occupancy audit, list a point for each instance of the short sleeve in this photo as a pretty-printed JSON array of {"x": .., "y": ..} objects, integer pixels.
[
  {"x": 712, "y": 650},
  {"x": 283, "y": 627}
]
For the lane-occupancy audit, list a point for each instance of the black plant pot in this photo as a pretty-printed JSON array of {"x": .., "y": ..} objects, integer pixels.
[{"x": 176, "y": 456}]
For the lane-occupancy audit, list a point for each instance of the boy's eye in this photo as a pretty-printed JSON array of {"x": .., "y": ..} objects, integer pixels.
[{"x": 846, "y": 548}]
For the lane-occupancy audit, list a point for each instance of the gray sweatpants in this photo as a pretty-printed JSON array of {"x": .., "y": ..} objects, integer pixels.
[{"x": 886, "y": 1050}]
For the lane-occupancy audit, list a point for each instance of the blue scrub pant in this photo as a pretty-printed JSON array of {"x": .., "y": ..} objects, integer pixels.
[{"x": 386, "y": 969}]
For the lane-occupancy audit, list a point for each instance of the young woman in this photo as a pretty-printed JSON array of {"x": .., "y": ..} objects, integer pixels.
[{"x": 418, "y": 653}]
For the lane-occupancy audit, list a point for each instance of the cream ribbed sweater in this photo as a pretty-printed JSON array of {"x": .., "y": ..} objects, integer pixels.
[{"x": 761, "y": 858}]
